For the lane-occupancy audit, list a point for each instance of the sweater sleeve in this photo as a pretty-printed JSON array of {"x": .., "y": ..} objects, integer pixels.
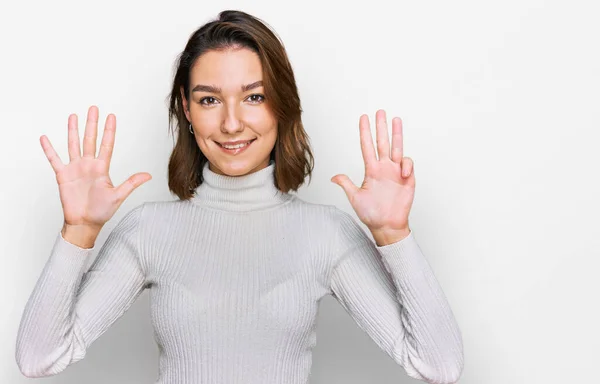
[
  {"x": 69, "y": 308},
  {"x": 392, "y": 294}
]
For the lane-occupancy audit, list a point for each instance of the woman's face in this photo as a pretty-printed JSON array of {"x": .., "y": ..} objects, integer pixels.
[{"x": 227, "y": 104}]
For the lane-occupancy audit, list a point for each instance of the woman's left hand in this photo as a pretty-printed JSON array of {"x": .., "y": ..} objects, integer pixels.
[{"x": 384, "y": 200}]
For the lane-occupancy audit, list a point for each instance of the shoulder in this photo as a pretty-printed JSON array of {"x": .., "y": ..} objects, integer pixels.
[
  {"x": 349, "y": 231},
  {"x": 165, "y": 208},
  {"x": 338, "y": 222},
  {"x": 148, "y": 214},
  {"x": 324, "y": 213}
]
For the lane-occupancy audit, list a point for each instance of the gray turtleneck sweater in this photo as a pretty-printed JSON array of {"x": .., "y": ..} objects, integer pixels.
[{"x": 235, "y": 276}]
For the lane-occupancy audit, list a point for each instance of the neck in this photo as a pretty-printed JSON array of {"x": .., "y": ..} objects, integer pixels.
[{"x": 249, "y": 192}]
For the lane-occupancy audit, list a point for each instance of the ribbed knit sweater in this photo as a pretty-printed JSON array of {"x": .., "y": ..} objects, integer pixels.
[{"x": 235, "y": 275}]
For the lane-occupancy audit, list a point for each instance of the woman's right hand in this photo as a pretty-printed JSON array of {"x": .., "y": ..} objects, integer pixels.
[{"x": 87, "y": 195}]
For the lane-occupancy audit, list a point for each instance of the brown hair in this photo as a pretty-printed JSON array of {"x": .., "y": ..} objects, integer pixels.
[{"x": 292, "y": 153}]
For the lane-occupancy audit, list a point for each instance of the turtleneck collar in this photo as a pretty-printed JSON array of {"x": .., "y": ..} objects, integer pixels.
[{"x": 249, "y": 192}]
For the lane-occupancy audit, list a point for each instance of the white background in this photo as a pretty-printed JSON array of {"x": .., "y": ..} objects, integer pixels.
[{"x": 500, "y": 108}]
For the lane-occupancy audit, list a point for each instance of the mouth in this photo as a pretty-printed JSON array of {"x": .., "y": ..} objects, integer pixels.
[
  {"x": 238, "y": 144},
  {"x": 235, "y": 149}
]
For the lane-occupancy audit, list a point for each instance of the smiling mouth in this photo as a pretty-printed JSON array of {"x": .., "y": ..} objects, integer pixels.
[{"x": 234, "y": 146}]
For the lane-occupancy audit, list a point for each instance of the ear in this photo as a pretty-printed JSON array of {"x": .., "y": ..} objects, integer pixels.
[{"x": 186, "y": 107}]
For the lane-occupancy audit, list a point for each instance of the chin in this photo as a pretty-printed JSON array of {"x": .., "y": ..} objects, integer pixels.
[{"x": 234, "y": 168}]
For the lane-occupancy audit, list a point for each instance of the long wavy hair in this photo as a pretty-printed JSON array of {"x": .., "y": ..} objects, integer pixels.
[{"x": 292, "y": 153}]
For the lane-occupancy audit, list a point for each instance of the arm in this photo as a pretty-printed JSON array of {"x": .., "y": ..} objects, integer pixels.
[
  {"x": 69, "y": 308},
  {"x": 393, "y": 295}
]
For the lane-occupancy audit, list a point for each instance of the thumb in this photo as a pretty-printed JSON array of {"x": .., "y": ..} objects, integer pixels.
[
  {"x": 346, "y": 184},
  {"x": 129, "y": 185}
]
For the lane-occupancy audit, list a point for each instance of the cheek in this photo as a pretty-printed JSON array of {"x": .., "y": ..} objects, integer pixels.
[
  {"x": 207, "y": 123},
  {"x": 261, "y": 119}
]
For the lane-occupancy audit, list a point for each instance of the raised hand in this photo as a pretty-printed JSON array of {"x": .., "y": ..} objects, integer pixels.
[
  {"x": 384, "y": 200},
  {"x": 87, "y": 194}
]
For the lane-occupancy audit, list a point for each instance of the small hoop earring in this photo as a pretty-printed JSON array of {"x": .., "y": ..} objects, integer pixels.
[{"x": 191, "y": 131}]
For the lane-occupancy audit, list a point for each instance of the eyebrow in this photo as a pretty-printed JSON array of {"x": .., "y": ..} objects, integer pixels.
[{"x": 213, "y": 89}]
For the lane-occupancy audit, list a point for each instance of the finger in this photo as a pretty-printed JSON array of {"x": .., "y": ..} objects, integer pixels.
[
  {"x": 108, "y": 139},
  {"x": 129, "y": 185},
  {"x": 407, "y": 166},
  {"x": 366, "y": 141},
  {"x": 397, "y": 145},
  {"x": 383, "y": 142},
  {"x": 347, "y": 185},
  {"x": 51, "y": 155},
  {"x": 73, "y": 138},
  {"x": 91, "y": 131}
]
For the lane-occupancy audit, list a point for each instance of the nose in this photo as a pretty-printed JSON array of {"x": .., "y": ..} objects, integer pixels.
[{"x": 231, "y": 121}]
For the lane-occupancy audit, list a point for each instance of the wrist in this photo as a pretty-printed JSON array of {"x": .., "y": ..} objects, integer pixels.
[
  {"x": 83, "y": 236},
  {"x": 390, "y": 236}
]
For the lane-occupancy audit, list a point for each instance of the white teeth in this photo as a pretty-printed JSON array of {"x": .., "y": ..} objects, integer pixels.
[{"x": 235, "y": 146}]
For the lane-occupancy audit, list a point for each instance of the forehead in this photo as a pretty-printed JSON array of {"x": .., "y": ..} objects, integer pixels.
[{"x": 232, "y": 67}]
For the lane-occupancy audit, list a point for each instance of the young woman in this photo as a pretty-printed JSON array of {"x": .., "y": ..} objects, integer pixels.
[{"x": 237, "y": 265}]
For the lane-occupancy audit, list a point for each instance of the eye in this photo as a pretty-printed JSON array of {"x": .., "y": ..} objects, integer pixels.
[
  {"x": 256, "y": 98},
  {"x": 207, "y": 100}
]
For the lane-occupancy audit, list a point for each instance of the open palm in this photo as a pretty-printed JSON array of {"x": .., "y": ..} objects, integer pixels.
[
  {"x": 384, "y": 199},
  {"x": 87, "y": 194}
]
